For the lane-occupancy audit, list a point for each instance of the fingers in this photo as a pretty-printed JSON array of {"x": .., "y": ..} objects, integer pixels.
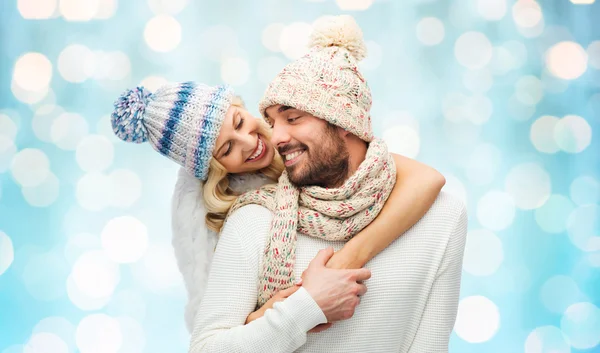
[
  {"x": 360, "y": 274},
  {"x": 361, "y": 290},
  {"x": 322, "y": 257}
]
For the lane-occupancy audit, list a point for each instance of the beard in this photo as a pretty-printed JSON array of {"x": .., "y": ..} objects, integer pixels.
[{"x": 326, "y": 165}]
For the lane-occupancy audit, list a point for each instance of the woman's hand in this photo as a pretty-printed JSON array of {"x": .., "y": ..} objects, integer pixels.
[{"x": 280, "y": 296}]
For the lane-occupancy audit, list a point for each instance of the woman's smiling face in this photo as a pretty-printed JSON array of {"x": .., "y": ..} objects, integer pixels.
[{"x": 242, "y": 145}]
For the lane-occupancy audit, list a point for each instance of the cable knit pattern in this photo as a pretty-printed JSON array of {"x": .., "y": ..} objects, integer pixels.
[
  {"x": 331, "y": 214},
  {"x": 410, "y": 306}
]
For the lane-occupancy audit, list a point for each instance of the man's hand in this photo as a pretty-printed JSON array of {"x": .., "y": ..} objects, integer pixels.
[{"x": 335, "y": 291}]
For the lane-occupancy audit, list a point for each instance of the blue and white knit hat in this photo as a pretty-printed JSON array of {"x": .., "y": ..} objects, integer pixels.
[{"x": 181, "y": 121}]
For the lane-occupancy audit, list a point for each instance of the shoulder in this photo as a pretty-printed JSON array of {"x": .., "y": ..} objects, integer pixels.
[
  {"x": 448, "y": 208},
  {"x": 251, "y": 221}
]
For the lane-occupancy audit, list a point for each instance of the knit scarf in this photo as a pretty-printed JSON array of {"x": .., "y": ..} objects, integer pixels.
[{"x": 331, "y": 214}]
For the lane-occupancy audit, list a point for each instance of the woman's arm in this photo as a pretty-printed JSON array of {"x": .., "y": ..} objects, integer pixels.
[{"x": 417, "y": 187}]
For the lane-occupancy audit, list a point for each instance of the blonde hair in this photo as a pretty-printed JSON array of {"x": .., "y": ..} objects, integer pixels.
[{"x": 218, "y": 197}]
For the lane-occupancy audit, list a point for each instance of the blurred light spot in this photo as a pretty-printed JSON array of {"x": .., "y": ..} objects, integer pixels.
[
  {"x": 49, "y": 98},
  {"x": 67, "y": 130},
  {"x": 491, "y": 10},
  {"x": 157, "y": 270},
  {"x": 402, "y": 140},
  {"x": 479, "y": 81},
  {"x": 552, "y": 216},
  {"x": 559, "y": 292},
  {"x": 583, "y": 226},
  {"x": 483, "y": 163},
  {"x": 8, "y": 128},
  {"x": 112, "y": 66},
  {"x": 502, "y": 61},
  {"x": 30, "y": 167},
  {"x": 496, "y": 210},
  {"x": 585, "y": 190},
  {"x": 455, "y": 107},
  {"x": 7, "y": 252},
  {"x": 44, "y": 194},
  {"x": 529, "y": 185},
  {"x": 268, "y": 68},
  {"x": 126, "y": 188},
  {"x": 7, "y": 152},
  {"x": 573, "y": 134},
  {"x": 60, "y": 327},
  {"x": 455, "y": 187},
  {"x": 29, "y": 97},
  {"x": 98, "y": 333},
  {"x": 80, "y": 243},
  {"x": 462, "y": 134},
  {"x": 566, "y": 60},
  {"x": 483, "y": 253},
  {"x": 95, "y": 274},
  {"x": 546, "y": 339},
  {"x": 533, "y": 32},
  {"x": 529, "y": 90},
  {"x": 518, "y": 52},
  {"x": 542, "y": 134},
  {"x": 527, "y": 13},
  {"x": 167, "y": 7},
  {"x": 153, "y": 83},
  {"x": 271, "y": 35},
  {"x": 400, "y": 117},
  {"x": 82, "y": 300},
  {"x": 473, "y": 50},
  {"x": 354, "y": 5},
  {"x": 73, "y": 62},
  {"x": 45, "y": 343},
  {"x": 294, "y": 39},
  {"x": 104, "y": 128},
  {"x": 162, "y": 33},
  {"x": 43, "y": 119},
  {"x": 94, "y": 153},
  {"x": 134, "y": 340},
  {"x": 581, "y": 324},
  {"x": 36, "y": 9},
  {"x": 218, "y": 42},
  {"x": 94, "y": 192},
  {"x": 373, "y": 60},
  {"x": 593, "y": 52},
  {"x": 32, "y": 72},
  {"x": 127, "y": 303},
  {"x": 477, "y": 320},
  {"x": 553, "y": 84},
  {"x": 582, "y": 2},
  {"x": 124, "y": 239},
  {"x": 430, "y": 31},
  {"x": 235, "y": 71},
  {"x": 480, "y": 109},
  {"x": 78, "y": 10},
  {"x": 106, "y": 9},
  {"x": 44, "y": 276}
]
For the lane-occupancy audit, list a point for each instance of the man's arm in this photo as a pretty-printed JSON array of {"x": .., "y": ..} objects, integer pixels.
[
  {"x": 231, "y": 295},
  {"x": 439, "y": 314}
]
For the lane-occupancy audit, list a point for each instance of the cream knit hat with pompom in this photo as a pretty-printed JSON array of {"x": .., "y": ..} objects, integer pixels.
[{"x": 326, "y": 82}]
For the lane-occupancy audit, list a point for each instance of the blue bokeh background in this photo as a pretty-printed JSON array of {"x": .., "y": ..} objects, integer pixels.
[{"x": 502, "y": 96}]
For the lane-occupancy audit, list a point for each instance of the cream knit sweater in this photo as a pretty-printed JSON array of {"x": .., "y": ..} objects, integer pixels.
[{"x": 410, "y": 305}]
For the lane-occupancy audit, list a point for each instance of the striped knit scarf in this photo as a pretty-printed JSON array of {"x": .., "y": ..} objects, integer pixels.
[{"x": 331, "y": 214}]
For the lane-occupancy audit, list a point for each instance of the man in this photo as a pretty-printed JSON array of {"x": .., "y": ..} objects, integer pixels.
[{"x": 319, "y": 107}]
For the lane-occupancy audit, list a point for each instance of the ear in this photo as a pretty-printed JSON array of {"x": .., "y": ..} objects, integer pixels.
[{"x": 342, "y": 132}]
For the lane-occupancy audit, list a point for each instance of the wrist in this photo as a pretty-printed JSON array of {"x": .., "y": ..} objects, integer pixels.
[{"x": 359, "y": 254}]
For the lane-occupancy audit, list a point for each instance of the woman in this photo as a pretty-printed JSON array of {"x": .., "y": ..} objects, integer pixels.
[{"x": 225, "y": 151}]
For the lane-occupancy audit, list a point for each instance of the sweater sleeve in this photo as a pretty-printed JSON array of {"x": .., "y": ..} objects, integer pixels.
[
  {"x": 439, "y": 315},
  {"x": 231, "y": 295}
]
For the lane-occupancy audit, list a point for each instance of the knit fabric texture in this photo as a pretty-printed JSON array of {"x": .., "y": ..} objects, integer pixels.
[
  {"x": 334, "y": 214},
  {"x": 326, "y": 82},
  {"x": 181, "y": 121}
]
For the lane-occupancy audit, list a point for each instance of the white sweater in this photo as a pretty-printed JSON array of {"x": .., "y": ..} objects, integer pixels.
[{"x": 410, "y": 305}]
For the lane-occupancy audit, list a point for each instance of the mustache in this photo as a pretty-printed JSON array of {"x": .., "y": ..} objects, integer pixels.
[{"x": 290, "y": 147}]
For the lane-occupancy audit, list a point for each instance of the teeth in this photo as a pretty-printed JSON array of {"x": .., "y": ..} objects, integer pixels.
[
  {"x": 289, "y": 157},
  {"x": 258, "y": 150}
]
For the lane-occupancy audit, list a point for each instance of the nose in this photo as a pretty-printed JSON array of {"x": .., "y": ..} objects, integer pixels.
[
  {"x": 249, "y": 141},
  {"x": 280, "y": 135}
]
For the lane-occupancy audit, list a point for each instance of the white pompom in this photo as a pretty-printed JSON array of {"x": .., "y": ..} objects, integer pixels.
[{"x": 339, "y": 31}]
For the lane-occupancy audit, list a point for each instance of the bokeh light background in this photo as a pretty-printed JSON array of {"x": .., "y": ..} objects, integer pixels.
[{"x": 502, "y": 96}]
